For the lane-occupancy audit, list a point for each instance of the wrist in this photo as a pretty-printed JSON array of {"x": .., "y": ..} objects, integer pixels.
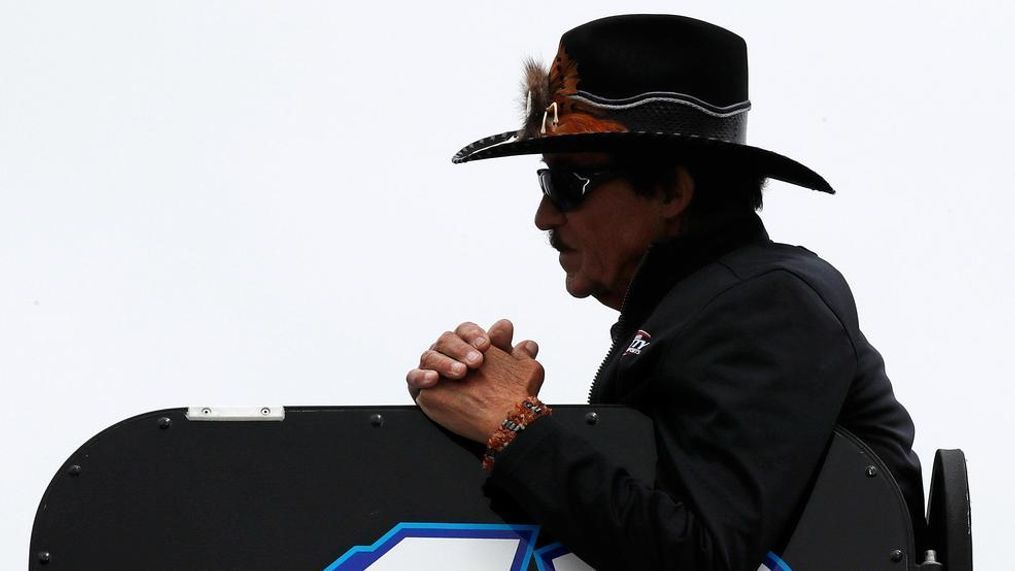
[{"x": 525, "y": 413}]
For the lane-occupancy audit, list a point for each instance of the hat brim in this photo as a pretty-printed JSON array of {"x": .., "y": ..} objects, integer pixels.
[{"x": 763, "y": 162}]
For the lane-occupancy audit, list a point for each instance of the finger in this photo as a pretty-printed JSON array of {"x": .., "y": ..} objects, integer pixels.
[
  {"x": 527, "y": 348},
  {"x": 457, "y": 349},
  {"x": 501, "y": 334},
  {"x": 539, "y": 376},
  {"x": 421, "y": 379},
  {"x": 443, "y": 365},
  {"x": 473, "y": 335}
]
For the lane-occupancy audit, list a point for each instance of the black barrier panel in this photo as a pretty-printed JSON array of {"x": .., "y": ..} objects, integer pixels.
[
  {"x": 159, "y": 491},
  {"x": 856, "y": 516},
  {"x": 346, "y": 488}
]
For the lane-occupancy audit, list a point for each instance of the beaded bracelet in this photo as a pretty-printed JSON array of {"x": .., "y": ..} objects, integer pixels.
[{"x": 523, "y": 415}]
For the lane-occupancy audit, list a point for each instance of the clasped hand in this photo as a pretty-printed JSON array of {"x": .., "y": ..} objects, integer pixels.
[{"x": 469, "y": 380}]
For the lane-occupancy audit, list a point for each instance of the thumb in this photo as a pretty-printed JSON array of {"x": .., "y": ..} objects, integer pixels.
[
  {"x": 500, "y": 335},
  {"x": 526, "y": 349}
]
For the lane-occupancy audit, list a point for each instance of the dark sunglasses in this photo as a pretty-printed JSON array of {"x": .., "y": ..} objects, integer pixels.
[{"x": 566, "y": 188}]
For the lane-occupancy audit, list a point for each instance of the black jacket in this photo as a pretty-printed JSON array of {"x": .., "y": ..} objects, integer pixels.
[{"x": 746, "y": 354}]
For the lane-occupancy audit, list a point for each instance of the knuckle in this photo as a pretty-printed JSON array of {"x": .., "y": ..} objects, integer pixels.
[
  {"x": 445, "y": 337},
  {"x": 429, "y": 359},
  {"x": 436, "y": 361}
]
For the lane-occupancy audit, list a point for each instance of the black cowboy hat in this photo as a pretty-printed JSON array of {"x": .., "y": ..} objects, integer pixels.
[{"x": 651, "y": 81}]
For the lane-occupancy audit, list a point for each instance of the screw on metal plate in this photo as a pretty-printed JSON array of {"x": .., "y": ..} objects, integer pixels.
[
  {"x": 205, "y": 410},
  {"x": 265, "y": 411},
  {"x": 895, "y": 555},
  {"x": 165, "y": 422},
  {"x": 871, "y": 471},
  {"x": 43, "y": 557},
  {"x": 376, "y": 420},
  {"x": 591, "y": 417},
  {"x": 74, "y": 470}
]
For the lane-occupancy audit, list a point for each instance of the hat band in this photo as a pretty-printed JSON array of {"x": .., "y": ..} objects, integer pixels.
[
  {"x": 666, "y": 96},
  {"x": 673, "y": 113}
]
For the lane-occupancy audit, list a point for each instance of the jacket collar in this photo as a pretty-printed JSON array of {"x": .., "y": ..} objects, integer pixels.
[{"x": 668, "y": 262}]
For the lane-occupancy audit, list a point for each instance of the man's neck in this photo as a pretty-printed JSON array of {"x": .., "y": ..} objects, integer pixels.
[{"x": 668, "y": 261}]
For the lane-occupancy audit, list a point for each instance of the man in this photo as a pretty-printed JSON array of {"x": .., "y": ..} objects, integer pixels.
[{"x": 744, "y": 352}]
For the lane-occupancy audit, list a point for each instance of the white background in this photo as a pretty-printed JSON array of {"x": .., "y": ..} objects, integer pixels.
[{"x": 253, "y": 202}]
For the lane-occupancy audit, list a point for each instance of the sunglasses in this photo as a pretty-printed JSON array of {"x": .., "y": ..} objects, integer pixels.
[{"x": 567, "y": 188}]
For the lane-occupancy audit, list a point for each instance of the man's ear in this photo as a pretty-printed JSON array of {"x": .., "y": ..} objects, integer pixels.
[{"x": 678, "y": 198}]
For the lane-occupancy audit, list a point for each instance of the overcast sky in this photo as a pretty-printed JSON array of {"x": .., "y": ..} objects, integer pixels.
[{"x": 254, "y": 203}]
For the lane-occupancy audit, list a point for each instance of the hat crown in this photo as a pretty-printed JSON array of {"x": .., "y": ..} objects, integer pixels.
[{"x": 621, "y": 57}]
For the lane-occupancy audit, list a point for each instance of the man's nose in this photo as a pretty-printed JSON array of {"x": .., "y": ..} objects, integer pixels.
[{"x": 548, "y": 216}]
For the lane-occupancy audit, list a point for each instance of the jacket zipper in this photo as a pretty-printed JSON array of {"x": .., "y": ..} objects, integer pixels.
[
  {"x": 599, "y": 371},
  {"x": 594, "y": 389}
]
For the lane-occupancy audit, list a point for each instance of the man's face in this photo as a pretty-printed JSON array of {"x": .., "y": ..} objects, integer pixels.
[{"x": 603, "y": 239}]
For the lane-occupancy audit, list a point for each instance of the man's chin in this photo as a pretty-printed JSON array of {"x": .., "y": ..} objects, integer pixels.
[
  {"x": 574, "y": 289},
  {"x": 582, "y": 289},
  {"x": 577, "y": 288}
]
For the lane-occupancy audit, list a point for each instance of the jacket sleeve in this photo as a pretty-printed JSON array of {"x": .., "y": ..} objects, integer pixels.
[{"x": 744, "y": 399}]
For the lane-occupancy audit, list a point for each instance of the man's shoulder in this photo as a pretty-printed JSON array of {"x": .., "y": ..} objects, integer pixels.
[
  {"x": 794, "y": 264},
  {"x": 755, "y": 260},
  {"x": 759, "y": 274}
]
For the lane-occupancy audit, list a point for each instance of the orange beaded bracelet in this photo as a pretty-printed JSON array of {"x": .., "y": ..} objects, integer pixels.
[{"x": 523, "y": 415}]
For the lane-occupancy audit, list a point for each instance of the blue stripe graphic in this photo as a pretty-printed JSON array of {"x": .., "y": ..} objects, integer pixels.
[
  {"x": 362, "y": 556},
  {"x": 775, "y": 563},
  {"x": 546, "y": 554}
]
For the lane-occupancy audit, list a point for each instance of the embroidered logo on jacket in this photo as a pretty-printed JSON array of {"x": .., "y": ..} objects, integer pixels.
[{"x": 640, "y": 341}]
